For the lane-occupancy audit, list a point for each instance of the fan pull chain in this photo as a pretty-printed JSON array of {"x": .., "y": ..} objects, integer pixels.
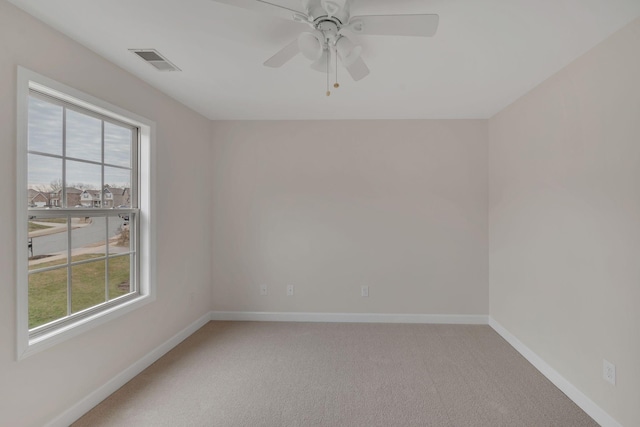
[
  {"x": 328, "y": 63},
  {"x": 336, "y": 84}
]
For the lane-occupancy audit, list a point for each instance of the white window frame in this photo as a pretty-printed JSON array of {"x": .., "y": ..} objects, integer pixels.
[{"x": 29, "y": 80}]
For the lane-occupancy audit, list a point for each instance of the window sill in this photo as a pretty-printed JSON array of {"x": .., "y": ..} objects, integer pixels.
[{"x": 28, "y": 347}]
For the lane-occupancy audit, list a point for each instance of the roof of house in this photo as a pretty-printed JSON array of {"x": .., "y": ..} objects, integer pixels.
[{"x": 70, "y": 190}]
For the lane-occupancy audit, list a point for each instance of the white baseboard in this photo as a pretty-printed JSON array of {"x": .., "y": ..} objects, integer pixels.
[
  {"x": 579, "y": 398},
  {"x": 85, "y": 405},
  {"x": 473, "y": 319}
]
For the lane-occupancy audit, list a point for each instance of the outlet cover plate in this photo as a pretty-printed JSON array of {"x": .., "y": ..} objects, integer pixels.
[
  {"x": 609, "y": 371},
  {"x": 290, "y": 290}
]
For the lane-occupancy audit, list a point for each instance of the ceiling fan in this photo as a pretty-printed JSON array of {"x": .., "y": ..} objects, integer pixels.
[{"x": 327, "y": 41}]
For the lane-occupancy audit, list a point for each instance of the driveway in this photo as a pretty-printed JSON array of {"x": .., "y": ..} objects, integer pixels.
[{"x": 92, "y": 234}]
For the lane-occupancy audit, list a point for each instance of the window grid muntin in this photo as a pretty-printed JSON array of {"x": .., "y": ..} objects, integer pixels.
[
  {"x": 134, "y": 151},
  {"x": 69, "y": 212},
  {"x": 52, "y": 99},
  {"x": 68, "y": 266},
  {"x": 63, "y": 193},
  {"x": 75, "y": 159},
  {"x": 131, "y": 253}
]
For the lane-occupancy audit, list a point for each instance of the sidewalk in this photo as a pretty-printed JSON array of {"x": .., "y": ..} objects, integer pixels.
[
  {"x": 98, "y": 249},
  {"x": 55, "y": 227}
]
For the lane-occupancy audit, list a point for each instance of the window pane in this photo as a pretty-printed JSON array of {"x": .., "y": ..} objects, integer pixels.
[
  {"x": 119, "y": 234},
  {"x": 119, "y": 276},
  {"x": 87, "y": 285},
  {"x": 119, "y": 187},
  {"x": 45, "y": 126},
  {"x": 117, "y": 145},
  {"x": 47, "y": 242},
  {"x": 44, "y": 177},
  {"x": 84, "y": 136},
  {"x": 47, "y": 296},
  {"x": 88, "y": 237},
  {"x": 87, "y": 177}
]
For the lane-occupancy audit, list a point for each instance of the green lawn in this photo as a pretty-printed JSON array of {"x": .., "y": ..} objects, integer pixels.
[
  {"x": 34, "y": 266},
  {"x": 54, "y": 220},
  {"x": 33, "y": 226},
  {"x": 48, "y": 290}
]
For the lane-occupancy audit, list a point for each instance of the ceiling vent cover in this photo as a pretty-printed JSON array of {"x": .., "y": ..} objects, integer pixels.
[{"x": 153, "y": 57}]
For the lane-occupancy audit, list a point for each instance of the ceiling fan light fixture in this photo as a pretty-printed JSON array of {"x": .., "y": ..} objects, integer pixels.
[
  {"x": 321, "y": 64},
  {"x": 310, "y": 44},
  {"x": 348, "y": 52},
  {"x": 326, "y": 45}
]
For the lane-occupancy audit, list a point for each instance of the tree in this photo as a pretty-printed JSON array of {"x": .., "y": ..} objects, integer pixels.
[
  {"x": 81, "y": 186},
  {"x": 56, "y": 185},
  {"x": 121, "y": 185},
  {"x": 53, "y": 186}
]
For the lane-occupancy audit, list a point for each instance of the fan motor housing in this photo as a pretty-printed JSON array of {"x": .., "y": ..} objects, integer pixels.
[{"x": 328, "y": 26}]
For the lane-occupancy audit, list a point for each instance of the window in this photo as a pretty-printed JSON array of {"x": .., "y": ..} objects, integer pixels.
[{"x": 85, "y": 250}]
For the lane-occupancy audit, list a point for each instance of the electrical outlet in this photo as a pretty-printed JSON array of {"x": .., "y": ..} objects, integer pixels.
[
  {"x": 290, "y": 290},
  {"x": 609, "y": 371},
  {"x": 364, "y": 291},
  {"x": 263, "y": 289}
]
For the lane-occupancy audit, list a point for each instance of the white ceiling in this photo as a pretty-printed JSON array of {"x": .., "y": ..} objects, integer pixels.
[{"x": 485, "y": 55}]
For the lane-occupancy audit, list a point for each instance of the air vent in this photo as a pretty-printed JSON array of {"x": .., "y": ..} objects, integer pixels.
[{"x": 154, "y": 58}]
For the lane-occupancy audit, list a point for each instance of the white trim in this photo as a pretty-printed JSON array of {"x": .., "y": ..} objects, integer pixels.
[
  {"x": 27, "y": 80},
  {"x": 62, "y": 334},
  {"x": 22, "y": 233},
  {"x": 578, "y": 397},
  {"x": 86, "y": 404},
  {"x": 465, "y": 319}
]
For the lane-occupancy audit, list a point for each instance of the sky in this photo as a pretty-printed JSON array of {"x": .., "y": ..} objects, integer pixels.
[{"x": 83, "y": 142}]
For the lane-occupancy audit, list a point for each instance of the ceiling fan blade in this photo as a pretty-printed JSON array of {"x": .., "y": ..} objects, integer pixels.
[
  {"x": 395, "y": 25},
  {"x": 283, "y": 56},
  {"x": 358, "y": 70},
  {"x": 266, "y": 7},
  {"x": 332, "y": 7}
]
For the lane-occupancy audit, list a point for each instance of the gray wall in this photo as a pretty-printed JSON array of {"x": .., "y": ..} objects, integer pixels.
[
  {"x": 565, "y": 221},
  {"x": 37, "y": 389},
  {"x": 400, "y": 206}
]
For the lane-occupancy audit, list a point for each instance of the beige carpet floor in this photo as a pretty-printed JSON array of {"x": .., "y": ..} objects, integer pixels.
[{"x": 329, "y": 374}]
